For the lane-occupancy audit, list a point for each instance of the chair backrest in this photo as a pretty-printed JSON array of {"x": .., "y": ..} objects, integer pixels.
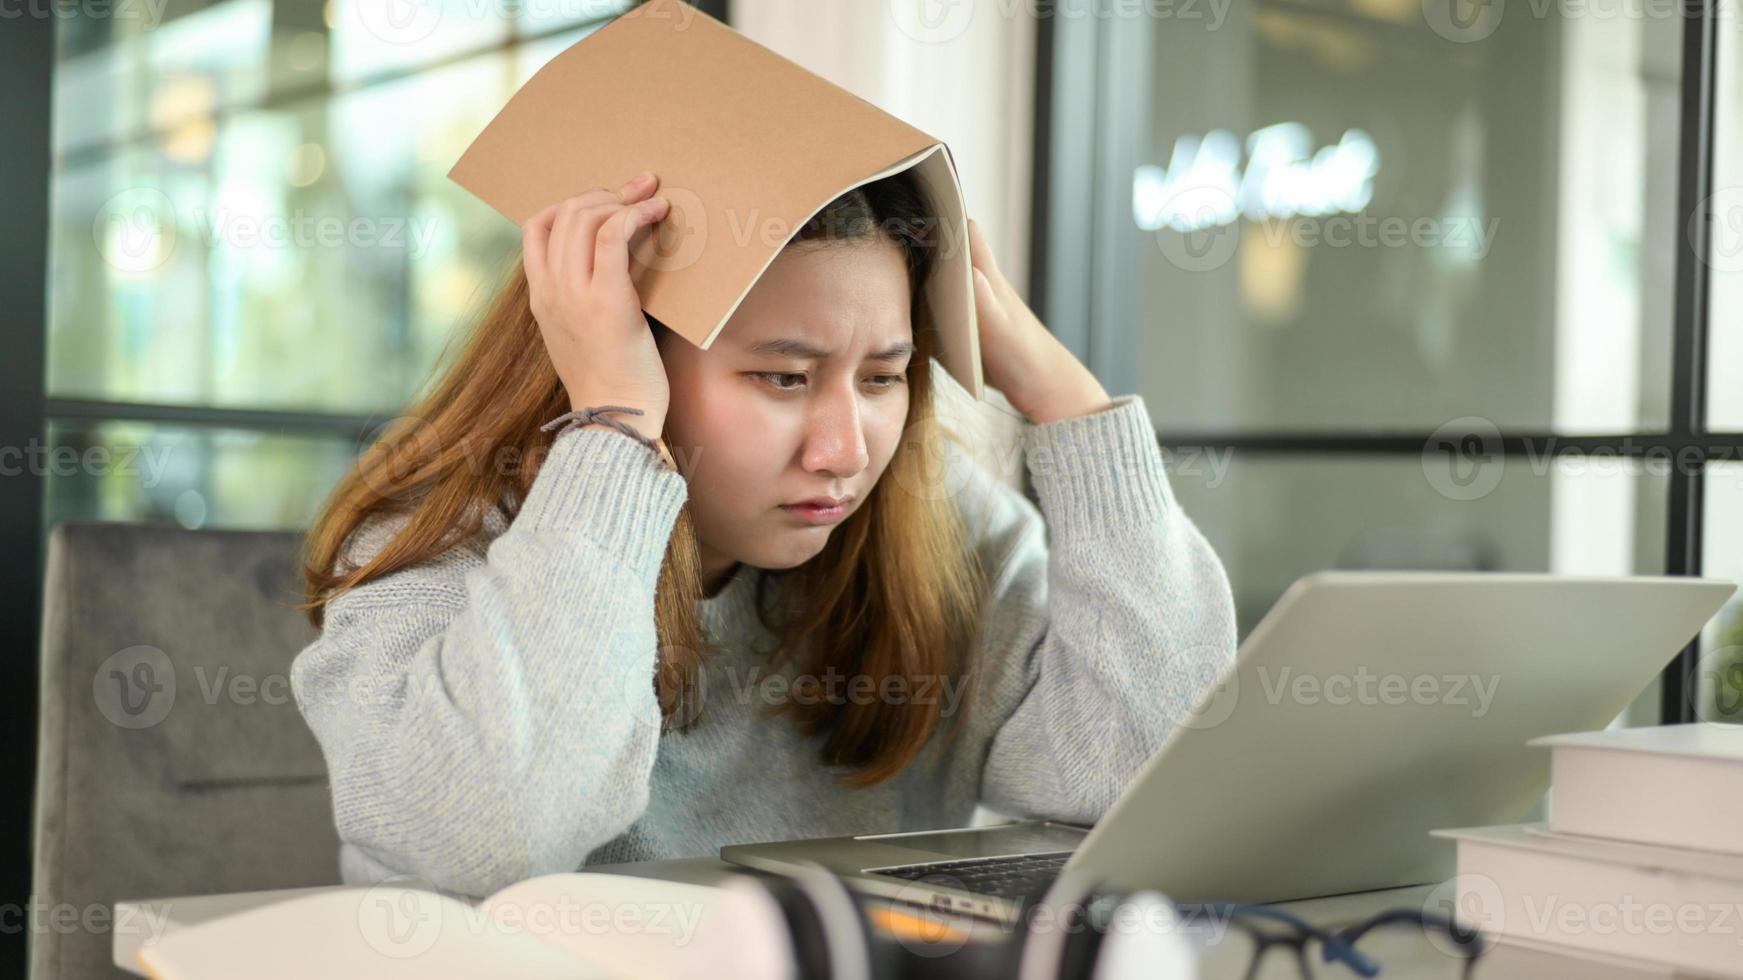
[{"x": 172, "y": 760}]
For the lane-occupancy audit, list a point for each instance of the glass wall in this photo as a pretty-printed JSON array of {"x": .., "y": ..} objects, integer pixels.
[
  {"x": 1274, "y": 517},
  {"x": 253, "y": 235},
  {"x": 1400, "y": 283},
  {"x": 1362, "y": 219}
]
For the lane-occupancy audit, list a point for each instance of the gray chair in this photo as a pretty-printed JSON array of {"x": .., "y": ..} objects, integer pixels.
[{"x": 172, "y": 760}]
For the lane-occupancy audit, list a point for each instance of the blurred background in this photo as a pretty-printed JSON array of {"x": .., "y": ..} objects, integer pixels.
[{"x": 1404, "y": 283}]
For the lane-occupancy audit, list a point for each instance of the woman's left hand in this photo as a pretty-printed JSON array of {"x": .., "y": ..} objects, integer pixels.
[{"x": 1019, "y": 355}]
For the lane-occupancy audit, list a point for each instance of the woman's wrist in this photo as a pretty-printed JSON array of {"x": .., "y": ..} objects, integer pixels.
[
  {"x": 637, "y": 422},
  {"x": 617, "y": 415},
  {"x": 649, "y": 428},
  {"x": 1084, "y": 398},
  {"x": 647, "y": 418}
]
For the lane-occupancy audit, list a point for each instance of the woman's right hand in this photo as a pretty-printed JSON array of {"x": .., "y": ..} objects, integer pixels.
[{"x": 576, "y": 255}]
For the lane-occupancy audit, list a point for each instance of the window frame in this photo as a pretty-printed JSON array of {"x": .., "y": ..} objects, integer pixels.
[{"x": 27, "y": 59}]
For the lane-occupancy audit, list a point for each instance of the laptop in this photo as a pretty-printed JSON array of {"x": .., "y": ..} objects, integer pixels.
[{"x": 1363, "y": 711}]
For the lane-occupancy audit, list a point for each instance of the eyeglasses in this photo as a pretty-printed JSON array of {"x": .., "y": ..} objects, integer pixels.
[{"x": 1322, "y": 954}]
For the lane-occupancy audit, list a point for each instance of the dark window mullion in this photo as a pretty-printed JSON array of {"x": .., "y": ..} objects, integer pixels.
[
  {"x": 27, "y": 46},
  {"x": 1688, "y": 394},
  {"x": 1712, "y": 446}
]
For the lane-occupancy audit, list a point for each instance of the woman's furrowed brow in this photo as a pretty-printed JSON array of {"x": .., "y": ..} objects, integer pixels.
[
  {"x": 803, "y": 350},
  {"x": 895, "y": 352}
]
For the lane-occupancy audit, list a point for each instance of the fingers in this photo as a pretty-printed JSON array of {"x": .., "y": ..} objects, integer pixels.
[
  {"x": 577, "y": 230},
  {"x": 983, "y": 263},
  {"x": 547, "y": 236},
  {"x": 988, "y": 307},
  {"x": 533, "y": 234},
  {"x": 980, "y": 254},
  {"x": 611, "y": 246}
]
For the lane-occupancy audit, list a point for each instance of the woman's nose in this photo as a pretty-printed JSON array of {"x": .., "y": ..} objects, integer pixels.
[{"x": 834, "y": 436}]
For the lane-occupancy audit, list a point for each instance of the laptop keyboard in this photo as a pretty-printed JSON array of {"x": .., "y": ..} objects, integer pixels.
[{"x": 1016, "y": 876}]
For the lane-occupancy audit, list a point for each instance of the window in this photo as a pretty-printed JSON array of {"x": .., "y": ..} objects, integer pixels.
[
  {"x": 1415, "y": 283},
  {"x": 1276, "y": 516},
  {"x": 257, "y": 257}
]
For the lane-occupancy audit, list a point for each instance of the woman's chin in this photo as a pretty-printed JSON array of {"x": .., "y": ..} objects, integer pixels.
[{"x": 793, "y": 553}]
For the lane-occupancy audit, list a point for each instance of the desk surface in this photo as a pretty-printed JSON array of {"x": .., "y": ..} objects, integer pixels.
[{"x": 1401, "y": 954}]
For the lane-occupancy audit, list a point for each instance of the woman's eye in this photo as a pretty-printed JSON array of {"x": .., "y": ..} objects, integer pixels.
[
  {"x": 772, "y": 376},
  {"x": 776, "y": 380}
]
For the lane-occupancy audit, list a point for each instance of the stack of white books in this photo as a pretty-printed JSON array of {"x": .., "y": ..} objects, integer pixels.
[{"x": 1640, "y": 860}]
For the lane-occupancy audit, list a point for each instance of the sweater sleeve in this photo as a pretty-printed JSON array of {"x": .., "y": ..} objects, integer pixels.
[
  {"x": 486, "y": 722},
  {"x": 1109, "y": 636}
]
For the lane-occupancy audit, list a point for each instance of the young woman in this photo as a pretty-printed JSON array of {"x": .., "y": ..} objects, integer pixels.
[{"x": 774, "y": 604}]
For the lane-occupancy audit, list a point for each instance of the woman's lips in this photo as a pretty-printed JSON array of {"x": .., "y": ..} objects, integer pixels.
[{"x": 816, "y": 515}]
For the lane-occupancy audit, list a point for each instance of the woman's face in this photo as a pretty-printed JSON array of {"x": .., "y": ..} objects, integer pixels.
[{"x": 804, "y": 394}]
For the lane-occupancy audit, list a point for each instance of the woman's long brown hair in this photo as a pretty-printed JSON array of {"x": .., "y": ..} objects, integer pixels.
[{"x": 895, "y": 595}]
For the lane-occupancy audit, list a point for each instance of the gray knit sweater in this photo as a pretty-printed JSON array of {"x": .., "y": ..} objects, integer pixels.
[{"x": 489, "y": 715}]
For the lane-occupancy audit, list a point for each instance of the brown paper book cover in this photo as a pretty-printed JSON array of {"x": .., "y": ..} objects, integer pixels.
[{"x": 747, "y": 145}]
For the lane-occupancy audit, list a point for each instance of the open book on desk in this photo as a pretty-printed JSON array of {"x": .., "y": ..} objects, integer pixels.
[{"x": 575, "y": 926}]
